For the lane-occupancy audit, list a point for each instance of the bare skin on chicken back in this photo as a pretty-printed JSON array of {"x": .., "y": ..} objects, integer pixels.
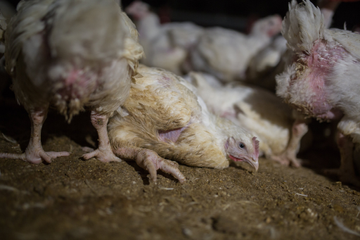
[
  {"x": 322, "y": 80},
  {"x": 319, "y": 64}
]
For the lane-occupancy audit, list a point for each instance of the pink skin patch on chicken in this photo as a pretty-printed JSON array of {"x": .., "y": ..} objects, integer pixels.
[
  {"x": 76, "y": 85},
  {"x": 164, "y": 82},
  {"x": 73, "y": 76},
  {"x": 171, "y": 135},
  {"x": 227, "y": 114},
  {"x": 77, "y": 76},
  {"x": 320, "y": 62}
]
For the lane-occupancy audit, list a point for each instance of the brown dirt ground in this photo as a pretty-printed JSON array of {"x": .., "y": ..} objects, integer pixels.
[{"x": 76, "y": 199}]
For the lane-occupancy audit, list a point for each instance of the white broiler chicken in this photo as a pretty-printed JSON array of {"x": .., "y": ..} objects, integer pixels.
[
  {"x": 226, "y": 53},
  {"x": 322, "y": 77},
  {"x": 260, "y": 111},
  {"x": 164, "y": 119},
  {"x": 70, "y": 54},
  {"x": 165, "y": 45},
  {"x": 268, "y": 62}
]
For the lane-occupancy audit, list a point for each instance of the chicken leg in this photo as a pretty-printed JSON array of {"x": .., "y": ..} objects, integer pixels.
[
  {"x": 151, "y": 161},
  {"x": 104, "y": 152},
  {"x": 34, "y": 152},
  {"x": 288, "y": 157},
  {"x": 346, "y": 172}
]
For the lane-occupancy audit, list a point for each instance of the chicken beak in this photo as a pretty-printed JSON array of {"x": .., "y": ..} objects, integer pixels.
[{"x": 254, "y": 163}]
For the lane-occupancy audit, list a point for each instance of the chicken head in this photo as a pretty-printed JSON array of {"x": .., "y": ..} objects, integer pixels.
[
  {"x": 269, "y": 26},
  {"x": 137, "y": 9},
  {"x": 241, "y": 150}
]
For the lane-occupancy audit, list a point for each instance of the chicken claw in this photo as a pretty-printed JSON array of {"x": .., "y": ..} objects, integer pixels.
[
  {"x": 151, "y": 161},
  {"x": 35, "y": 156},
  {"x": 34, "y": 152},
  {"x": 104, "y": 152},
  {"x": 288, "y": 157},
  {"x": 104, "y": 155}
]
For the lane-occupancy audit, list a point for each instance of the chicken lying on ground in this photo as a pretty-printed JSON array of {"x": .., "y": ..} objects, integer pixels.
[
  {"x": 322, "y": 77},
  {"x": 164, "y": 119},
  {"x": 70, "y": 54},
  {"x": 226, "y": 53},
  {"x": 263, "y": 113},
  {"x": 166, "y": 45}
]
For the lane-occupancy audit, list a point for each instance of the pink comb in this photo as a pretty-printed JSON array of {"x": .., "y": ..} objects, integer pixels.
[{"x": 256, "y": 145}]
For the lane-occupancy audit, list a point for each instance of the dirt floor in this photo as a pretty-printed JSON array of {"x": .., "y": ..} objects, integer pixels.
[{"x": 76, "y": 199}]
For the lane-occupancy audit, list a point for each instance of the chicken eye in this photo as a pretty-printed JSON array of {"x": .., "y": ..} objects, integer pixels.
[{"x": 241, "y": 145}]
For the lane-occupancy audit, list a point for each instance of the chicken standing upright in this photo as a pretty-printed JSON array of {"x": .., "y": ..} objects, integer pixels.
[
  {"x": 163, "y": 117},
  {"x": 270, "y": 61},
  {"x": 165, "y": 45},
  {"x": 226, "y": 53},
  {"x": 70, "y": 54},
  {"x": 322, "y": 77},
  {"x": 260, "y": 111}
]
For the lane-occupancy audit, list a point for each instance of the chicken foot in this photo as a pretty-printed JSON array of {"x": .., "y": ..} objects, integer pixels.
[
  {"x": 288, "y": 157},
  {"x": 34, "y": 152},
  {"x": 346, "y": 172},
  {"x": 104, "y": 152},
  {"x": 151, "y": 161}
]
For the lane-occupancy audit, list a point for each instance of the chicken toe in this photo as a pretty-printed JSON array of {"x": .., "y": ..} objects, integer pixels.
[
  {"x": 104, "y": 155},
  {"x": 35, "y": 155},
  {"x": 104, "y": 152},
  {"x": 288, "y": 157},
  {"x": 34, "y": 152},
  {"x": 151, "y": 161},
  {"x": 346, "y": 172}
]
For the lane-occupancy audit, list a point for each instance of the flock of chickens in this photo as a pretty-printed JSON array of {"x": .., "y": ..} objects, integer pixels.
[{"x": 77, "y": 54}]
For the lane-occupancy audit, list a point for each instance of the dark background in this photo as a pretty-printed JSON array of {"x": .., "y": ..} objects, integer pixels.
[{"x": 237, "y": 14}]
